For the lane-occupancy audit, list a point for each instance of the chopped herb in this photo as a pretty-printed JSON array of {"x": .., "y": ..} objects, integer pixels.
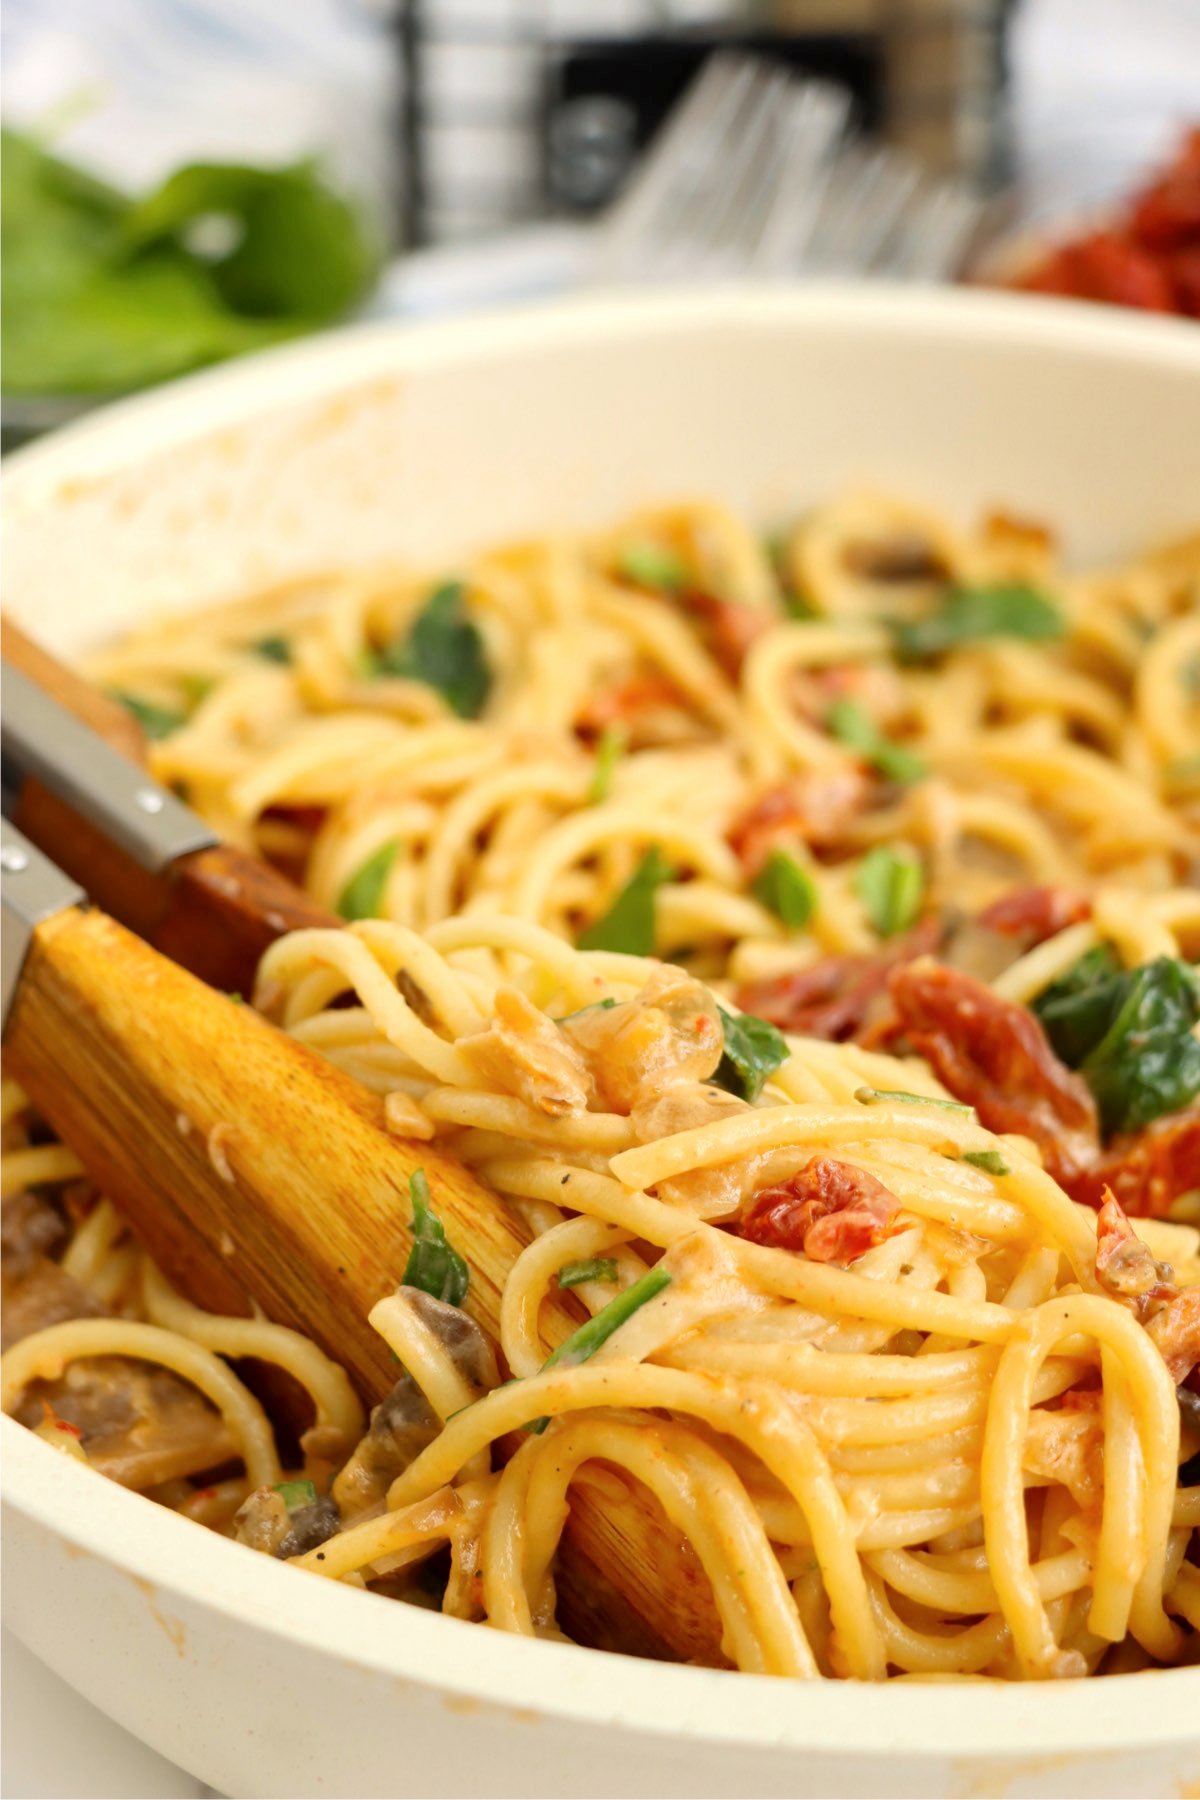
[
  {"x": 786, "y": 888},
  {"x": 362, "y": 896},
  {"x": 296, "y": 1494},
  {"x": 433, "y": 1266},
  {"x": 990, "y": 1161},
  {"x": 798, "y": 604},
  {"x": 197, "y": 687},
  {"x": 870, "y": 1096},
  {"x": 969, "y": 613},
  {"x": 597, "y": 1268},
  {"x": 753, "y": 1051},
  {"x": 236, "y": 999},
  {"x": 1183, "y": 774},
  {"x": 595, "y": 1006},
  {"x": 587, "y": 1340},
  {"x": 628, "y": 925},
  {"x": 609, "y": 751},
  {"x": 653, "y": 565},
  {"x": 156, "y": 721},
  {"x": 852, "y": 724},
  {"x": 273, "y": 649},
  {"x": 444, "y": 649},
  {"x": 891, "y": 886}
]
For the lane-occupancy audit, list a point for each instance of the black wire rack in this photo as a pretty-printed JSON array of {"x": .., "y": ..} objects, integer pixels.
[{"x": 517, "y": 110}]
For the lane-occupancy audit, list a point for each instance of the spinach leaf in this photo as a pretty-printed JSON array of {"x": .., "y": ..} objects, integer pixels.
[
  {"x": 595, "y": 1006},
  {"x": 609, "y": 751},
  {"x": 1148, "y": 1062},
  {"x": 753, "y": 1051},
  {"x": 853, "y": 725},
  {"x": 102, "y": 294},
  {"x": 1129, "y": 1033},
  {"x": 433, "y": 1266},
  {"x": 274, "y": 649},
  {"x": 295, "y": 1494},
  {"x": 297, "y": 251},
  {"x": 362, "y": 896},
  {"x": 1078, "y": 1008},
  {"x": 786, "y": 888},
  {"x": 597, "y": 1268},
  {"x": 891, "y": 885},
  {"x": 157, "y": 722},
  {"x": 653, "y": 565},
  {"x": 969, "y": 613},
  {"x": 990, "y": 1161},
  {"x": 628, "y": 925},
  {"x": 445, "y": 650},
  {"x": 587, "y": 1340}
]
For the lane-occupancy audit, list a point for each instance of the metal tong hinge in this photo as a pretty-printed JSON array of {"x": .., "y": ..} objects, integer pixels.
[
  {"x": 135, "y": 812},
  {"x": 32, "y": 888}
]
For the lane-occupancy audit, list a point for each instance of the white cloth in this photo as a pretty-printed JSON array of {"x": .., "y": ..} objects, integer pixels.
[
  {"x": 133, "y": 88},
  {"x": 1101, "y": 92}
]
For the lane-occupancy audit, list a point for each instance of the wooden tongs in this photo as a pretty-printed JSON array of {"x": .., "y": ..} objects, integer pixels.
[{"x": 245, "y": 1163}]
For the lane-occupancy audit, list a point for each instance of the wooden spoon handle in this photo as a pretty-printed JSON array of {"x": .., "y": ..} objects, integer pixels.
[
  {"x": 248, "y": 1165},
  {"x": 219, "y": 1133}
]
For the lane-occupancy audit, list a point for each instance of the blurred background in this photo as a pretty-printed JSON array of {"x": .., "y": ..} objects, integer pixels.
[{"x": 185, "y": 180}]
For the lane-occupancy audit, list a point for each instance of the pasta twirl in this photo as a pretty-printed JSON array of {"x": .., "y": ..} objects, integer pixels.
[{"x": 802, "y": 940}]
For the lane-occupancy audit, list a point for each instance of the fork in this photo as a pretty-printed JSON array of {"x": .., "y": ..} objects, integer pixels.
[{"x": 761, "y": 172}]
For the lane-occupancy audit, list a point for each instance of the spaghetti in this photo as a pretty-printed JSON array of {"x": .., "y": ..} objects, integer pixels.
[{"x": 915, "y": 1408}]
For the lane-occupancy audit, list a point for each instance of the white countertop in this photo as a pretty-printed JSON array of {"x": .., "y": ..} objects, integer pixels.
[{"x": 55, "y": 1743}]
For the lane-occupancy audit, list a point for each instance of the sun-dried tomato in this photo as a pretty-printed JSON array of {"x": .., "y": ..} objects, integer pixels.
[
  {"x": 836, "y": 997},
  {"x": 1126, "y": 1269},
  {"x": 729, "y": 628},
  {"x": 1105, "y": 266},
  {"x": 1146, "y": 258},
  {"x": 994, "y": 1055},
  {"x": 1167, "y": 213},
  {"x": 830, "y": 1210},
  {"x": 1146, "y": 1170},
  {"x": 1125, "y": 1266},
  {"x": 621, "y": 704},
  {"x": 1184, "y": 267},
  {"x": 1035, "y": 913},
  {"x": 817, "y": 809}
]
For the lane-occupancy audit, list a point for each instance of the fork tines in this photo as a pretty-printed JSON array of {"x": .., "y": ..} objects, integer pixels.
[{"x": 758, "y": 172}]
